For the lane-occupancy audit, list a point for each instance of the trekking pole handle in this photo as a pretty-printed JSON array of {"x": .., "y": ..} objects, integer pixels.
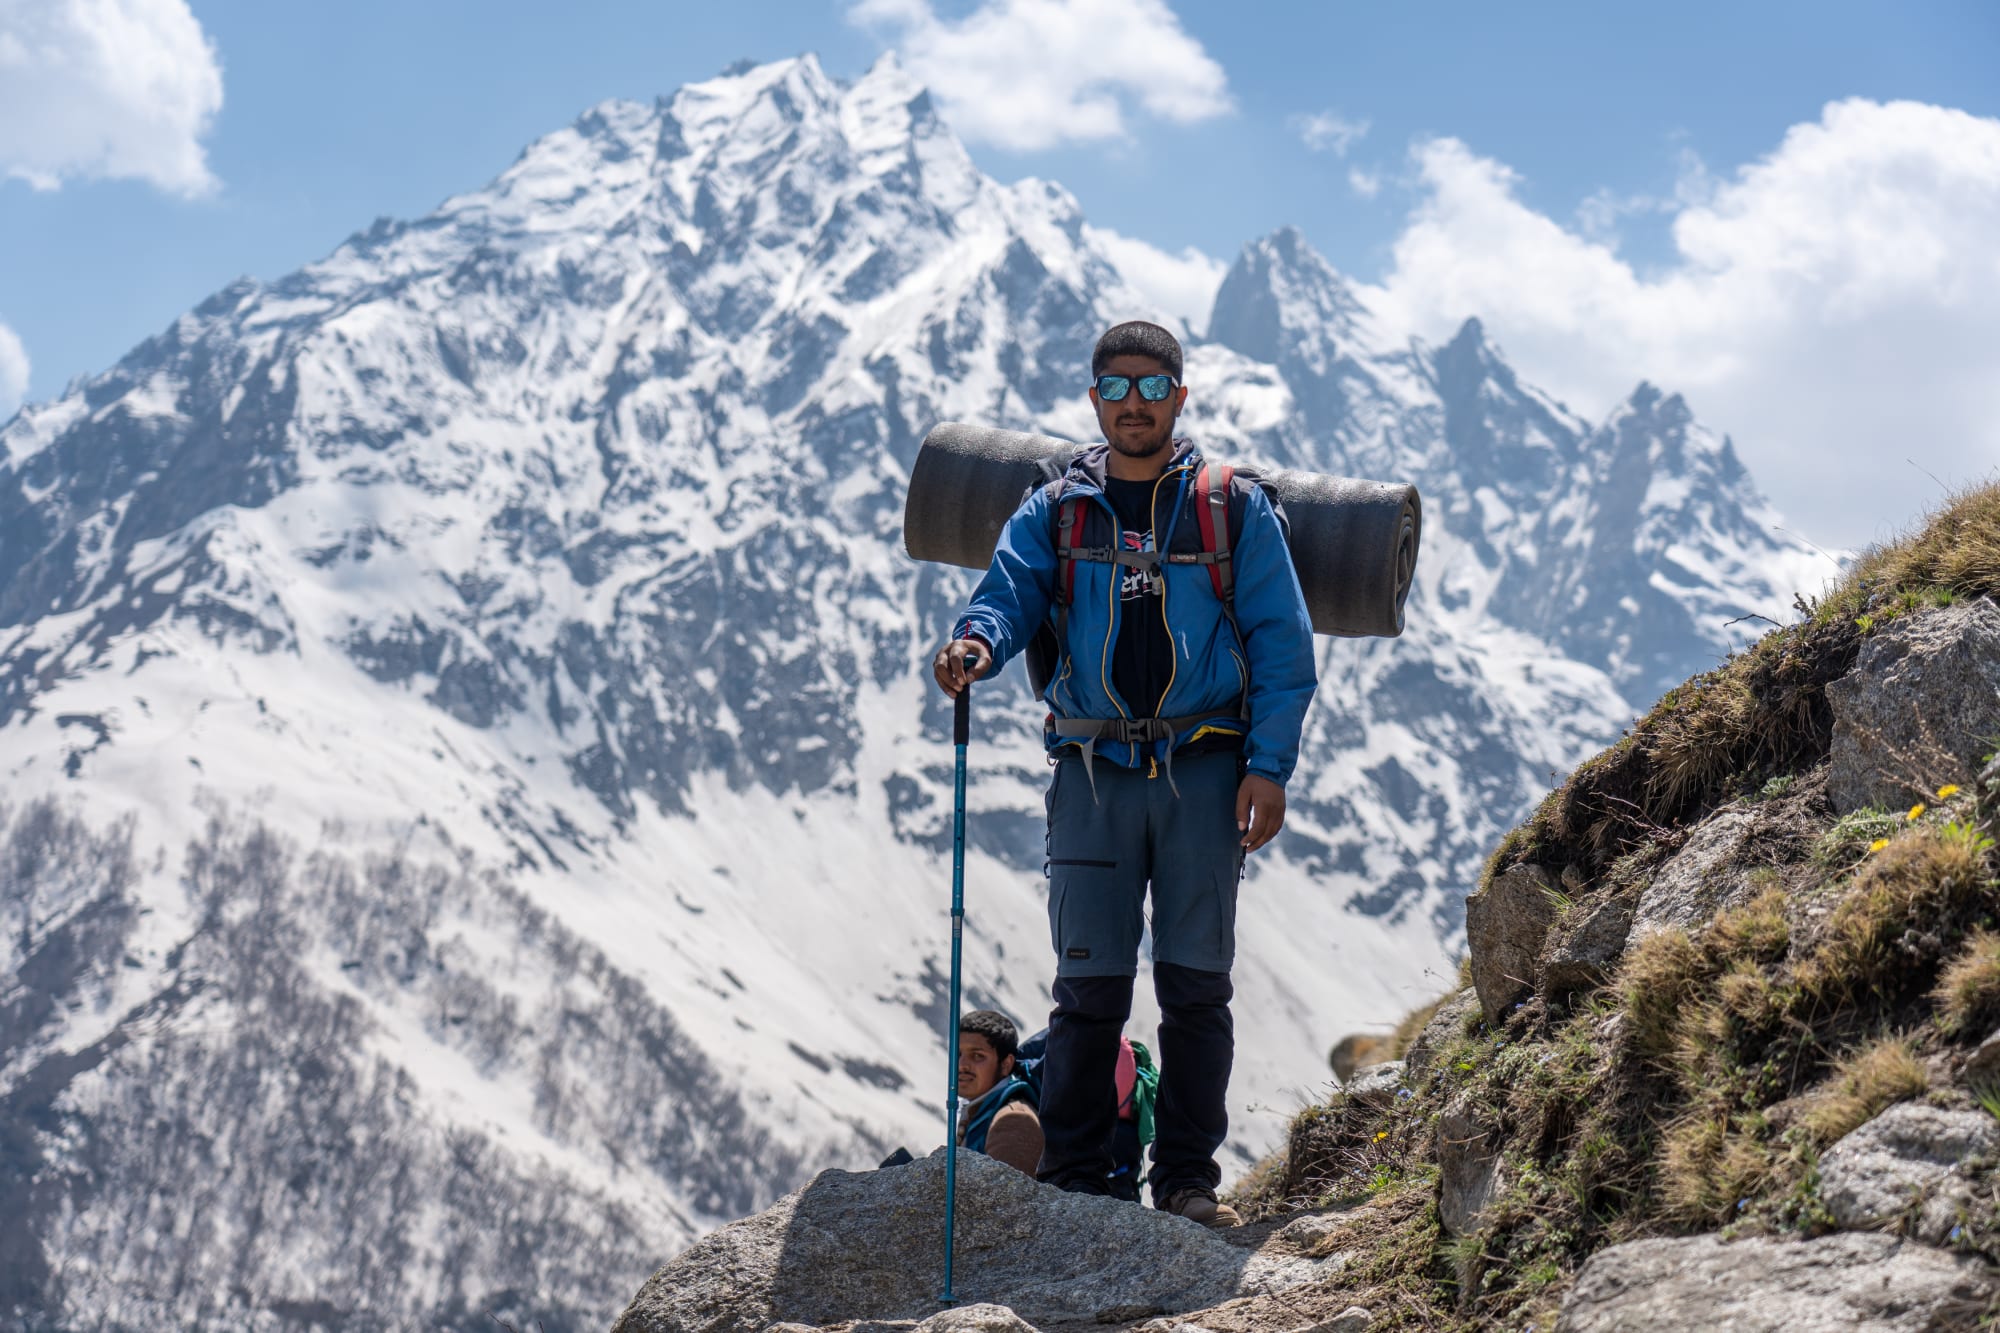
[{"x": 961, "y": 712}]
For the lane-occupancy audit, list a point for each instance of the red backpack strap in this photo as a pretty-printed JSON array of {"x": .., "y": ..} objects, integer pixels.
[
  {"x": 1069, "y": 517},
  {"x": 1211, "y": 512}
]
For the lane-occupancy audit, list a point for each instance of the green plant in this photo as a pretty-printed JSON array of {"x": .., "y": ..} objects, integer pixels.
[{"x": 1852, "y": 834}]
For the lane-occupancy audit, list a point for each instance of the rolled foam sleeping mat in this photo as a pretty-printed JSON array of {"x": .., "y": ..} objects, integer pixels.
[{"x": 1354, "y": 543}]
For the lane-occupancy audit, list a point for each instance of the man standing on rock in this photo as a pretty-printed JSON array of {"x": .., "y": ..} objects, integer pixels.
[{"x": 1177, "y": 699}]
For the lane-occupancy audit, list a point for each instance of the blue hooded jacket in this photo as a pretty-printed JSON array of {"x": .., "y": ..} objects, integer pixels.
[{"x": 1212, "y": 669}]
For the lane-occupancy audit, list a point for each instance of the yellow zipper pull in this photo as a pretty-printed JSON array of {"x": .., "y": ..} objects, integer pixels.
[{"x": 1153, "y": 768}]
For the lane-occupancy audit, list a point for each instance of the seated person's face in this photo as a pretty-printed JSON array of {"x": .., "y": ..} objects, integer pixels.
[{"x": 980, "y": 1067}]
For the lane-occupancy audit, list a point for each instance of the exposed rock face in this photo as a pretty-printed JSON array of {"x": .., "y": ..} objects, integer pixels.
[
  {"x": 1468, "y": 1164},
  {"x": 1908, "y": 1158},
  {"x": 1420, "y": 1061},
  {"x": 869, "y": 1245},
  {"x": 1837, "y": 1284},
  {"x": 1706, "y": 875},
  {"x": 1505, "y": 925},
  {"x": 1919, "y": 708},
  {"x": 1587, "y": 942}
]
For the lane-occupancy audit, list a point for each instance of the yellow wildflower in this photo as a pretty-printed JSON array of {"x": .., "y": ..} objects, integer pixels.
[
  {"x": 1878, "y": 845},
  {"x": 1946, "y": 793},
  {"x": 1917, "y": 810},
  {"x": 1383, "y": 1135}
]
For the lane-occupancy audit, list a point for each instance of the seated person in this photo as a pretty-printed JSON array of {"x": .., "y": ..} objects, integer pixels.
[{"x": 999, "y": 1115}]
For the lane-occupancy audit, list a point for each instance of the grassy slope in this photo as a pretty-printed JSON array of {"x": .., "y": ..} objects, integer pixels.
[{"x": 1694, "y": 1091}]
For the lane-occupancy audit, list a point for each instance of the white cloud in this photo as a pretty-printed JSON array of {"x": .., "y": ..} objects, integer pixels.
[
  {"x": 1367, "y": 184},
  {"x": 1329, "y": 132},
  {"x": 1834, "y": 305},
  {"x": 1031, "y": 74},
  {"x": 106, "y": 88},
  {"x": 1183, "y": 285},
  {"x": 13, "y": 372}
]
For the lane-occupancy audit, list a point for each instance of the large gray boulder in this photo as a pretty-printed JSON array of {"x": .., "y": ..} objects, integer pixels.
[
  {"x": 1711, "y": 871},
  {"x": 1506, "y": 923},
  {"x": 1919, "y": 707},
  {"x": 869, "y": 1245},
  {"x": 1907, "y": 1161},
  {"x": 1852, "y": 1282},
  {"x": 1587, "y": 942}
]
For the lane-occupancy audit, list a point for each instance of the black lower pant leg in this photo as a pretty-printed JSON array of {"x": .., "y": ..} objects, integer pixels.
[
  {"x": 1079, "y": 1106},
  {"x": 1197, "y": 1050}
]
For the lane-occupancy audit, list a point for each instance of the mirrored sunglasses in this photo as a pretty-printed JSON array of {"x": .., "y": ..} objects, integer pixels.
[{"x": 1152, "y": 388}]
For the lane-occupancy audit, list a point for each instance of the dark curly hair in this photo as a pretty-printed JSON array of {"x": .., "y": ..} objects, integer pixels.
[
  {"x": 1137, "y": 338},
  {"x": 998, "y": 1029}
]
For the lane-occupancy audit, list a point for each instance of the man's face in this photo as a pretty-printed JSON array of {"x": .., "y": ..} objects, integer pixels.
[
  {"x": 1133, "y": 426},
  {"x": 980, "y": 1067}
]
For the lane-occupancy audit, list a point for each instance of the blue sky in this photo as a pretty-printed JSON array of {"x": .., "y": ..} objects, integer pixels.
[{"x": 1606, "y": 123}]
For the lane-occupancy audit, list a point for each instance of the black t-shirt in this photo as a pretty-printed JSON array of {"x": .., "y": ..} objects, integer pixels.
[{"x": 1142, "y": 662}]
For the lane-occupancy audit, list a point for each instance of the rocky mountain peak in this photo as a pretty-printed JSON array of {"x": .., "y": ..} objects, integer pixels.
[{"x": 1282, "y": 300}]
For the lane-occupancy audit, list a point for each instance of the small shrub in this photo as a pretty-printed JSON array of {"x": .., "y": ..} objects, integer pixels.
[
  {"x": 1968, "y": 990},
  {"x": 1865, "y": 1084}
]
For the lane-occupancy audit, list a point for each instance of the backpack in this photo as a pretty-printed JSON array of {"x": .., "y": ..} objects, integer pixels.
[
  {"x": 1215, "y": 515},
  {"x": 1135, "y": 1103}
]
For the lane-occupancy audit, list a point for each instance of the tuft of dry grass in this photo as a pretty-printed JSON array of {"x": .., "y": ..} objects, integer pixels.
[
  {"x": 1968, "y": 989},
  {"x": 1711, "y": 1163},
  {"x": 1754, "y": 932},
  {"x": 1866, "y": 1083},
  {"x": 1927, "y": 875},
  {"x": 1752, "y": 998},
  {"x": 1658, "y": 978},
  {"x": 1697, "y": 744}
]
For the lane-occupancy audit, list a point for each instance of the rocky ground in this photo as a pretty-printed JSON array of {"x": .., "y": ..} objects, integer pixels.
[{"x": 1726, "y": 1053}]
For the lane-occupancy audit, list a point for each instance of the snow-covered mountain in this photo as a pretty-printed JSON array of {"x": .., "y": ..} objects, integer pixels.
[{"x": 473, "y": 812}]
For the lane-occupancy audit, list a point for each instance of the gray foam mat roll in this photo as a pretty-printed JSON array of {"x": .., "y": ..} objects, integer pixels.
[{"x": 1354, "y": 543}]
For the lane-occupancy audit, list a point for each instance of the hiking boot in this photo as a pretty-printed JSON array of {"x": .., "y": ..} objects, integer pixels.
[{"x": 1197, "y": 1203}]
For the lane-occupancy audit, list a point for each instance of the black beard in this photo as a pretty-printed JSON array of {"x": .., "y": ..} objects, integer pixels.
[{"x": 1144, "y": 450}]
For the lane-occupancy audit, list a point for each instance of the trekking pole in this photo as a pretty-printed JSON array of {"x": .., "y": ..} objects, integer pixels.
[{"x": 961, "y": 729}]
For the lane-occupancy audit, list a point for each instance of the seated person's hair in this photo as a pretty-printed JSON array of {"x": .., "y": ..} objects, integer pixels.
[
  {"x": 998, "y": 1030},
  {"x": 1137, "y": 338}
]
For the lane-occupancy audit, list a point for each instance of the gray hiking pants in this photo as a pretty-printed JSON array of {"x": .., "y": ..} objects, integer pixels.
[{"x": 1104, "y": 854}]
